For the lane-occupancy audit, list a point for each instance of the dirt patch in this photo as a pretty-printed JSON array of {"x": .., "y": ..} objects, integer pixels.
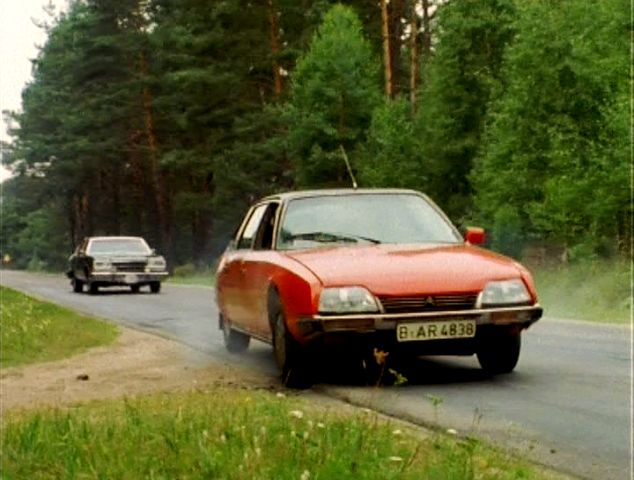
[{"x": 138, "y": 363}]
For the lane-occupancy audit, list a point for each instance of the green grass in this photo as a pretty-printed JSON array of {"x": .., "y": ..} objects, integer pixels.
[
  {"x": 188, "y": 274},
  {"x": 235, "y": 434},
  {"x": 33, "y": 331},
  {"x": 598, "y": 291}
]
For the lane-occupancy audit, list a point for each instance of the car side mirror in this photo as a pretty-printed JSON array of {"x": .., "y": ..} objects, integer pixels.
[{"x": 475, "y": 235}]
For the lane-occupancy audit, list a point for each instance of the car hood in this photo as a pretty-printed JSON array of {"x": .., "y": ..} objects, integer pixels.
[
  {"x": 122, "y": 258},
  {"x": 408, "y": 270}
]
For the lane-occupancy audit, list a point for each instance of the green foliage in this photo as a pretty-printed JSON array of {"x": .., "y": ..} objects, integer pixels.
[
  {"x": 32, "y": 331},
  {"x": 555, "y": 147},
  {"x": 470, "y": 46},
  {"x": 162, "y": 118},
  {"x": 334, "y": 90},
  {"x": 392, "y": 155},
  {"x": 234, "y": 434}
]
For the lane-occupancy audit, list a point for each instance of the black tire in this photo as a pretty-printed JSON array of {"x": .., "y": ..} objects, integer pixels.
[
  {"x": 93, "y": 288},
  {"x": 235, "y": 342},
  {"x": 135, "y": 288},
  {"x": 499, "y": 351},
  {"x": 78, "y": 285},
  {"x": 155, "y": 287},
  {"x": 291, "y": 357}
]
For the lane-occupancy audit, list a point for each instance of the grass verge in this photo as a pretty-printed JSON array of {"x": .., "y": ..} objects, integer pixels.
[
  {"x": 33, "y": 331},
  {"x": 598, "y": 291},
  {"x": 188, "y": 274},
  {"x": 236, "y": 434}
]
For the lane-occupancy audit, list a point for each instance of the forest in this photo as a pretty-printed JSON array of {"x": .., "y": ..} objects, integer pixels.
[{"x": 167, "y": 118}]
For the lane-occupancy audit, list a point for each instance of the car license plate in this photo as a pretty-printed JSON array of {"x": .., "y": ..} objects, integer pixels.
[
  {"x": 131, "y": 278},
  {"x": 417, "y": 331}
]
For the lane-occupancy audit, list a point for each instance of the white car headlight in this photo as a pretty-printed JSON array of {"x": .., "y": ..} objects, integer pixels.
[
  {"x": 505, "y": 292},
  {"x": 347, "y": 300},
  {"x": 157, "y": 263},
  {"x": 102, "y": 265}
]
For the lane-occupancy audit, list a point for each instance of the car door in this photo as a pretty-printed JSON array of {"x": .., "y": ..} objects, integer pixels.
[
  {"x": 231, "y": 277},
  {"x": 258, "y": 267},
  {"x": 79, "y": 262}
]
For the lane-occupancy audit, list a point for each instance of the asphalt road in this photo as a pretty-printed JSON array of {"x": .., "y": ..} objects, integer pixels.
[{"x": 567, "y": 405}]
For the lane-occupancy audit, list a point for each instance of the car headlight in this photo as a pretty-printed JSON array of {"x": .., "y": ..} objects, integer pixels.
[
  {"x": 505, "y": 292},
  {"x": 347, "y": 300},
  {"x": 102, "y": 265},
  {"x": 157, "y": 264}
]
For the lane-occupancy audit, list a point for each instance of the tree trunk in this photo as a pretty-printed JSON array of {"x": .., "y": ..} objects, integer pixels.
[
  {"x": 387, "y": 51},
  {"x": 396, "y": 12},
  {"x": 414, "y": 65},
  {"x": 158, "y": 185},
  {"x": 427, "y": 17},
  {"x": 274, "y": 38}
]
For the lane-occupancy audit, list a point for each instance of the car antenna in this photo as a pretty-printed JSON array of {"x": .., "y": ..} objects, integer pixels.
[{"x": 345, "y": 159}]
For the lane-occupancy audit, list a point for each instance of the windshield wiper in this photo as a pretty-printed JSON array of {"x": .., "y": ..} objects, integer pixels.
[{"x": 331, "y": 237}]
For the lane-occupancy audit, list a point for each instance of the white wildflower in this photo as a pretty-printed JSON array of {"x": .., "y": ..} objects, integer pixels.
[
  {"x": 223, "y": 439},
  {"x": 280, "y": 395},
  {"x": 305, "y": 435},
  {"x": 320, "y": 425},
  {"x": 305, "y": 475},
  {"x": 452, "y": 431},
  {"x": 366, "y": 410},
  {"x": 296, "y": 414},
  {"x": 258, "y": 452},
  {"x": 397, "y": 433},
  {"x": 396, "y": 459}
]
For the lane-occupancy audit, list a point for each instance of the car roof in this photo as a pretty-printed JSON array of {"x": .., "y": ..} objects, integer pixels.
[{"x": 292, "y": 195}]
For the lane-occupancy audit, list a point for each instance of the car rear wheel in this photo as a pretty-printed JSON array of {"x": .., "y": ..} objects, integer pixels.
[
  {"x": 155, "y": 287},
  {"x": 235, "y": 341},
  {"x": 292, "y": 361},
  {"x": 135, "y": 288},
  {"x": 78, "y": 285},
  {"x": 499, "y": 351}
]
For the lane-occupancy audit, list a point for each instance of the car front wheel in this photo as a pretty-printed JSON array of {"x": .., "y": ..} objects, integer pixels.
[
  {"x": 499, "y": 351},
  {"x": 292, "y": 361},
  {"x": 78, "y": 285},
  {"x": 155, "y": 287}
]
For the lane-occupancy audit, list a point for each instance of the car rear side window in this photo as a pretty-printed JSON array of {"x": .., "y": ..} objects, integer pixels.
[{"x": 251, "y": 228}]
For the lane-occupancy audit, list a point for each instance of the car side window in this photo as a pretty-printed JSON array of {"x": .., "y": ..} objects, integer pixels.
[
  {"x": 252, "y": 227},
  {"x": 264, "y": 237}
]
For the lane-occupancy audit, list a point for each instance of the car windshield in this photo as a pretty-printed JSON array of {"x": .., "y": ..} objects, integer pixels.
[
  {"x": 118, "y": 246},
  {"x": 370, "y": 218}
]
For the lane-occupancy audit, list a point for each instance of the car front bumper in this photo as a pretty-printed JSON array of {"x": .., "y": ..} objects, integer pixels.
[
  {"x": 127, "y": 278},
  {"x": 520, "y": 317},
  {"x": 348, "y": 332}
]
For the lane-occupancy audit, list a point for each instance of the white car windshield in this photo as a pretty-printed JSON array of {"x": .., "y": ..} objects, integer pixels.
[
  {"x": 118, "y": 246},
  {"x": 370, "y": 218}
]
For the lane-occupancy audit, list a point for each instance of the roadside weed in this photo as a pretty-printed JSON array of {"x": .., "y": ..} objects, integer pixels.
[
  {"x": 33, "y": 331},
  {"x": 234, "y": 434}
]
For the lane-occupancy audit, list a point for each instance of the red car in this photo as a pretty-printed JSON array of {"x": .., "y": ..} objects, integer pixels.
[{"x": 368, "y": 270}]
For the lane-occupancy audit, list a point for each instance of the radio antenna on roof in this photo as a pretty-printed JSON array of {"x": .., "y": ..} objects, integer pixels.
[{"x": 345, "y": 159}]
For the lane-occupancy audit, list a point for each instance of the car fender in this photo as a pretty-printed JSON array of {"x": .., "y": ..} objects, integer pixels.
[{"x": 298, "y": 289}]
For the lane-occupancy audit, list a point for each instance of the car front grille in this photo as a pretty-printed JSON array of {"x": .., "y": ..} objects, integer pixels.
[
  {"x": 130, "y": 266},
  {"x": 428, "y": 303}
]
